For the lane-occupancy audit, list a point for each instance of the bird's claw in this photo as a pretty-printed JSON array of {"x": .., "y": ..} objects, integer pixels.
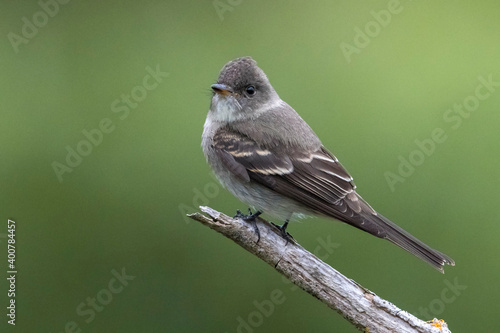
[
  {"x": 283, "y": 232},
  {"x": 252, "y": 218}
]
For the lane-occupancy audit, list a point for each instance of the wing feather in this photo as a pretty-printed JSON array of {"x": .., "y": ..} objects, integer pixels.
[
  {"x": 316, "y": 174},
  {"x": 319, "y": 182}
]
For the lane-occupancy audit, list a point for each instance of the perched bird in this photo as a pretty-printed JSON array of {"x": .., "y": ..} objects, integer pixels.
[{"x": 266, "y": 155}]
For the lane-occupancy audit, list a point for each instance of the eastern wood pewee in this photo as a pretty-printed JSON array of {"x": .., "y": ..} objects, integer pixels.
[{"x": 262, "y": 151}]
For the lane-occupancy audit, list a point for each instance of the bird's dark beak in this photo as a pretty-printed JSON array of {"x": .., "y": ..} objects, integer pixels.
[{"x": 222, "y": 89}]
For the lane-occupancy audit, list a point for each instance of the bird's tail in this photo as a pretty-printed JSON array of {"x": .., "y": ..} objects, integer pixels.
[
  {"x": 382, "y": 227},
  {"x": 357, "y": 212}
]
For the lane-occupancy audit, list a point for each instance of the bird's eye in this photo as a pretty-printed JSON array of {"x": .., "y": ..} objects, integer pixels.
[{"x": 250, "y": 90}]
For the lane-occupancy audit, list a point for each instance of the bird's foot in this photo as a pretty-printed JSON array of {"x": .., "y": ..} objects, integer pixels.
[
  {"x": 252, "y": 218},
  {"x": 284, "y": 233}
]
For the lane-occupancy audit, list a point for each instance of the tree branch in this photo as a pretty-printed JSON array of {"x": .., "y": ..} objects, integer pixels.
[{"x": 365, "y": 310}]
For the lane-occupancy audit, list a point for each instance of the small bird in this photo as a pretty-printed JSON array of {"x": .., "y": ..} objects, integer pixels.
[{"x": 267, "y": 156}]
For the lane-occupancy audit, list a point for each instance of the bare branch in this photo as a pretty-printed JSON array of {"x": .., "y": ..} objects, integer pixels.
[{"x": 365, "y": 310}]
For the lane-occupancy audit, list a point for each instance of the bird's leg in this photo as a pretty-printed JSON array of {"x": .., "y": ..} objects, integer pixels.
[
  {"x": 252, "y": 218},
  {"x": 284, "y": 233}
]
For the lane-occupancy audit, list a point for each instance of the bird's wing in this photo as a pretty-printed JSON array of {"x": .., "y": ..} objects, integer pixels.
[
  {"x": 243, "y": 157},
  {"x": 318, "y": 181},
  {"x": 315, "y": 179}
]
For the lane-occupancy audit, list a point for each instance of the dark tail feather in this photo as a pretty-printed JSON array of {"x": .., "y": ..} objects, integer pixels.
[
  {"x": 356, "y": 212},
  {"x": 382, "y": 227}
]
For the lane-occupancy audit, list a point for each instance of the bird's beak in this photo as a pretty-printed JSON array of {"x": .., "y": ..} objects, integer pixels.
[{"x": 222, "y": 89}]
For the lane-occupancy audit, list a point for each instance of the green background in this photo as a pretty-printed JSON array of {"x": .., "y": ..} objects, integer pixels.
[{"x": 123, "y": 206}]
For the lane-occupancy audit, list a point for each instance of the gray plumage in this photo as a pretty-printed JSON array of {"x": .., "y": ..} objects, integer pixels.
[{"x": 266, "y": 155}]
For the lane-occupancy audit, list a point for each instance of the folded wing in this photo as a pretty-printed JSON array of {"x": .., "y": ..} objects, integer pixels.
[{"x": 318, "y": 181}]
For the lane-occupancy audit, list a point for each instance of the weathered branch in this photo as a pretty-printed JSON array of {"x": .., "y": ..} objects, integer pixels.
[{"x": 361, "y": 307}]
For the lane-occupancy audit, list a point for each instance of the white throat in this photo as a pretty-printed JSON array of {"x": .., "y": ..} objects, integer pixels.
[{"x": 226, "y": 109}]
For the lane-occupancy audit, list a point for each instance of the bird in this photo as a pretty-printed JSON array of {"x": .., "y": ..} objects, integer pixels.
[{"x": 267, "y": 156}]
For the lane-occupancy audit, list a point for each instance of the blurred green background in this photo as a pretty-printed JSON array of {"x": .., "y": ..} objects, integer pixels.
[{"x": 121, "y": 208}]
